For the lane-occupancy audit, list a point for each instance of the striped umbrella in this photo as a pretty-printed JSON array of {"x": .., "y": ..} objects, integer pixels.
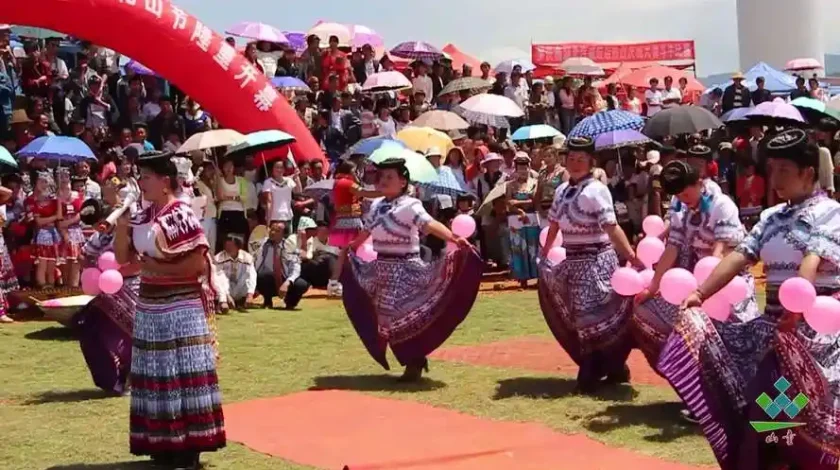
[
  {"x": 417, "y": 50},
  {"x": 473, "y": 84},
  {"x": 482, "y": 119},
  {"x": 606, "y": 121},
  {"x": 445, "y": 185}
]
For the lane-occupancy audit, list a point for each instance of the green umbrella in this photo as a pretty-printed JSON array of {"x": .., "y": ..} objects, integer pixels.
[
  {"x": 419, "y": 169},
  {"x": 6, "y": 158},
  {"x": 815, "y": 110},
  {"x": 260, "y": 141}
]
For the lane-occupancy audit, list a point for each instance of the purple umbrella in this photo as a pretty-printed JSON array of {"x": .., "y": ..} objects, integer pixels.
[
  {"x": 139, "y": 68},
  {"x": 620, "y": 138},
  {"x": 297, "y": 40},
  {"x": 257, "y": 32},
  {"x": 776, "y": 110},
  {"x": 363, "y": 35},
  {"x": 417, "y": 50}
]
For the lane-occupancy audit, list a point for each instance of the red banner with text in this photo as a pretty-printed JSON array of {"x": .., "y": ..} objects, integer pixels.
[{"x": 554, "y": 54}]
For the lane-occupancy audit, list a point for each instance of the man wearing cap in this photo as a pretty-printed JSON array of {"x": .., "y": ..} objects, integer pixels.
[{"x": 736, "y": 95}]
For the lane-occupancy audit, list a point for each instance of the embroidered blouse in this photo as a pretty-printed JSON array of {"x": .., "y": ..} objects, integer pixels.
[
  {"x": 785, "y": 233},
  {"x": 395, "y": 225},
  {"x": 171, "y": 231},
  {"x": 582, "y": 210},
  {"x": 716, "y": 220}
]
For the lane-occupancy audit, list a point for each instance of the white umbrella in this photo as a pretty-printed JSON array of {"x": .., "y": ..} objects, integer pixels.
[
  {"x": 508, "y": 66},
  {"x": 487, "y": 204},
  {"x": 493, "y": 105},
  {"x": 325, "y": 30},
  {"x": 581, "y": 66},
  {"x": 211, "y": 139},
  {"x": 386, "y": 81}
]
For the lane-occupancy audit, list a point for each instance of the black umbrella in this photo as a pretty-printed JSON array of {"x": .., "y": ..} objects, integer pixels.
[{"x": 681, "y": 120}]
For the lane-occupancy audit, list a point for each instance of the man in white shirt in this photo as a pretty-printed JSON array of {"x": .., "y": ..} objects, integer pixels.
[
  {"x": 237, "y": 265},
  {"x": 423, "y": 82},
  {"x": 517, "y": 91},
  {"x": 671, "y": 97},
  {"x": 59, "y": 67},
  {"x": 653, "y": 98}
]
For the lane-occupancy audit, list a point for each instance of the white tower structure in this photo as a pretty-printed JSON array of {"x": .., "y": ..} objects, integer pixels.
[{"x": 776, "y": 31}]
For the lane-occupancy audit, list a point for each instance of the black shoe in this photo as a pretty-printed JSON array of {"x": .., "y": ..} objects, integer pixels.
[
  {"x": 162, "y": 460},
  {"x": 620, "y": 377},
  {"x": 187, "y": 461},
  {"x": 587, "y": 383},
  {"x": 688, "y": 416},
  {"x": 414, "y": 372}
]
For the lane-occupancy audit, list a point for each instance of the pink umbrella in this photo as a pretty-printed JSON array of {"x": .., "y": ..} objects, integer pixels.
[
  {"x": 363, "y": 35},
  {"x": 803, "y": 64},
  {"x": 386, "y": 81},
  {"x": 771, "y": 111},
  {"x": 257, "y": 32}
]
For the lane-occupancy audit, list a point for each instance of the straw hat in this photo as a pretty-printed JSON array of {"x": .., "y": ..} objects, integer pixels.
[{"x": 738, "y": 76}]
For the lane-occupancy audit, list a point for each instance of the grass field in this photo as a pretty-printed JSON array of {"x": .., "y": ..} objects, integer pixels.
[{"x": 51, "y": 416}]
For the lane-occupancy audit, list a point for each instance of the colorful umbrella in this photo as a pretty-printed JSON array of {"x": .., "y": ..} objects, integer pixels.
[
  {"x": 363, "y": 35},
  {"x": 770, "y": 112},
  {"x": 494, "y": 105},
  {"x": 421, "y": 139},
  {"x": 6, "y": 158},
  {"x": 325, "y": 30},
  {"x": 445, "y": 185},
  {"x": 607, "y": 121},
  {"x": 419, "y": 169},
  {"x": 260, "y": 141},
  {"x": 319, "y": 189},
  {"x": 508, "y": 65},
  {"x": 61, "y": 148},
  {"x": 441, "y": 120},
  {"x": 681, "y": 120},
  {"x": 472, "y": 84},
  {"x": 211, "y": 139},
  {"x": 815, "y": 110},
  {"x": 417, "y": 50},
  {"x": 386, "y": 81},
  {"x": 297, "y": 40},
  {"x": 139, "y": 68},
  {"x": 367, "y": 146},
  {"x": 257, "y": 31},
  {"x": 539, "y": 131},
  {"x": 619, "y": 139},
  {"x": 290, "y": 83}
]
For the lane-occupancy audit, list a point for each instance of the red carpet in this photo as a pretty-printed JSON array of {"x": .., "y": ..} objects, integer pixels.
[
  {"x": 331, "y": 429},
  {"x": 537, "y": 354}
]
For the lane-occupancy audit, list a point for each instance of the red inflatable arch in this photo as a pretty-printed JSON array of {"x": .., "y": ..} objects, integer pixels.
[{"x": 180, "y": 48}]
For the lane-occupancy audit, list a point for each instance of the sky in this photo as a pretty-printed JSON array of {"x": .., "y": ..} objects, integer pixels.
[{"x": 500, "y": 30}]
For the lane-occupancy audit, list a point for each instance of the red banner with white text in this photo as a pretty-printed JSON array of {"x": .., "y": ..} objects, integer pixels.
[{"x": 605, "y": 54}]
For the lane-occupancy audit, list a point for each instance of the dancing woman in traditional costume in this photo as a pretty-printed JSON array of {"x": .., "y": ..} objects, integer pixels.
[
  {"x": 588, "y": 319},
  {"x": 105, "y": 325},
  {"x": 176, "y": 405},
  {"x": 702, "y": 224},
  {"x": 398, "y": 299},
  {"x": 720, "y": 369}
]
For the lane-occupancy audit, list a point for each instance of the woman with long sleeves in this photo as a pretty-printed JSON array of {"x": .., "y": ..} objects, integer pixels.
[
  {"x": 721, "y": 369},
  {"x": 399, "y": 299},
  {"x": 176, "y": 405},
  {"x": 702, "y": 224},
  {"x": 588, "y": 319}
]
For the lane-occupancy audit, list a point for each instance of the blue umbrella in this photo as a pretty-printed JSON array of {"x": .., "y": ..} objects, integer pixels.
[
  {"x": 445, "y": 185},
  {"x": 367, "y": 146},
  {"x": 7, "y": 159},
  {"x": 290, "y": 82},
  {"x": 606, "y": 121},
  {"x": 260, "y": 141},
  {"x": 539, "y": 131},
  {"x": 139, "y": 68},
  {"x": 737, "y": 114},
  {"x": 51, "y": 147}
]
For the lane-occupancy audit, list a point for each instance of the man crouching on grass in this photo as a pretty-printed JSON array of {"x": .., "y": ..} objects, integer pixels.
[{"x": 277, "y": 260}]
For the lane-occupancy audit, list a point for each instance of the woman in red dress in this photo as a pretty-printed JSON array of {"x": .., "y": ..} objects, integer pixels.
[
  {"x": 71, "y": 233},
  {"x": 44, "y": 210}
]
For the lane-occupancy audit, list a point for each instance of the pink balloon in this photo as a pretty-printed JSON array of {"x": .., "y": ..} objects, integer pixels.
[
  {"x": 717, "y": 307},
  {"x": 626, "y": 282},
  {"x": 703, "y": 269},
  {"x": 111, "y": 281},
  {"x": 824, "y": 315},
  {"x": 650, "y": 250},
  {"x": 366, "y": 253},
  {"x": 677, "y": 284},
  {"x": 107, "y": 261},
  {"x": 736, "y": 291},
  {"x": 647, "y": 277},
  {"x": 463, "y": 226},
  {"x": 558, "y": 240},
  {"x": 90, "y": 281},
  {"x": 797, "y": 294},
  {"x": 653, "y": 225},
  {"x": 557, "y": 255}
]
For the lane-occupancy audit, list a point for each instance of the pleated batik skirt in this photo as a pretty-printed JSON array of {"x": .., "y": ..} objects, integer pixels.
[
  {"x": 409, "y": 304},
  {"x": 104, "y": 327},
  {"x": 589, "y": 320},
  {"x": 176, "y": 405},
  {"x": 721, "y": 369}
]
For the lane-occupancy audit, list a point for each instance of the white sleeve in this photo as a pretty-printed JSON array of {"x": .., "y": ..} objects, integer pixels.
[
  {"x": 597, "y": 201},
  {"x": 251, "y": 279}
]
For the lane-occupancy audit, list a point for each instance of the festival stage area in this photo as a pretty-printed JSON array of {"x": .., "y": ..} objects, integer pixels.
[{"x": 300, "y": 393}]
